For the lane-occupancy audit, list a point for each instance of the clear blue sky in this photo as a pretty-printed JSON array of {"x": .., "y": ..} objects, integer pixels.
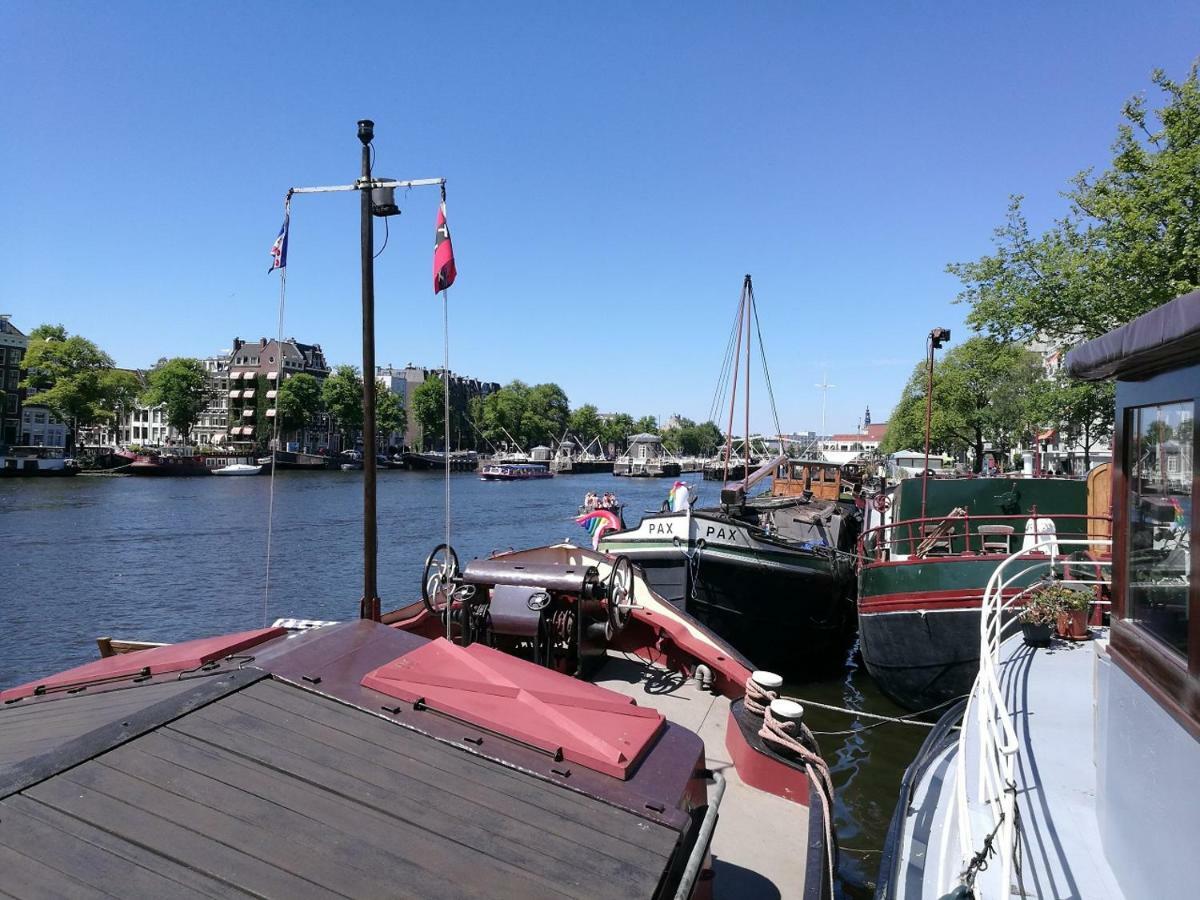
[{"x": 614, "y": 169}]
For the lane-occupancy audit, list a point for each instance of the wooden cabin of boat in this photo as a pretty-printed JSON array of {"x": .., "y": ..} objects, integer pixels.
[{"x": 821, "y": 480}]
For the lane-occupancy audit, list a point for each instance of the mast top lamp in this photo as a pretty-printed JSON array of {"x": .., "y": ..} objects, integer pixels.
[
  {"x": 939, "y": 336},
  {"x": 366, "y": 131}
]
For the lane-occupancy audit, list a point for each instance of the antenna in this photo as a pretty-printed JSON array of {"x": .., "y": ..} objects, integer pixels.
[{"x": 824, "y": 386}]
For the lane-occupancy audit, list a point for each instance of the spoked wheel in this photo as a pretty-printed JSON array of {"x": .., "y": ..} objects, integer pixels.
[
  {"x": 437, "y": 582},
  {"x": 620, "y": 595}
]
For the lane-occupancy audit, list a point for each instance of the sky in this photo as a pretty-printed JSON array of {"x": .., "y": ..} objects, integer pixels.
[{"x": 613, "y": 171}]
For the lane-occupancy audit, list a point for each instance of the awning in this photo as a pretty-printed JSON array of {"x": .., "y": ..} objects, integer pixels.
[
  {"x": 270, "y": 413},
  {"x": 1163, "y": 338},
  {"x": 272, "y": 375},
  {"x": 234, "y": 376},
  {"x": 249, "y": 395},
  {"x": 1048, "y": 435},
  {"x": 233, "y": 395},
  {"x": 247, "y": 412},
  {"x": 271, "y": 394}
]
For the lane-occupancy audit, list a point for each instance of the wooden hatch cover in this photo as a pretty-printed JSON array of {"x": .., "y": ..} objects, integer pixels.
[
  {"x": 167, "y": 658},
  {"x": 585, "y": 724}
]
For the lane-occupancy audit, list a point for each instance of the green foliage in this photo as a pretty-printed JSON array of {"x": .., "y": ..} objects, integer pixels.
[
  {"x": 298, "y": 401},
  {"x": 389, "y": 413},
  {"x": 1129, "y": 241},
  {"x": 646, "y": 425},
  {"x": 119, "y": 389},
  {"x": 546, "y": 414},
  {"x": 71, "y": 376},
  {"x": 585, "y": 423},
  {"x": 617, "y": 429},
  {"x": 179, "y": 385},
  {"x": 1048, "y": 600},
  {"x": 1082, "y": 410},
  {"x": 690, "y": 439},
  {"x": 429, "y": 405},
  {"x": 983, "y": 392},
  {"x": 342, "y": 396}
]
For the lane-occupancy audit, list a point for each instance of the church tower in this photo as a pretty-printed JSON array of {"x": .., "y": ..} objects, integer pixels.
[{"x": 867, "y": 418}]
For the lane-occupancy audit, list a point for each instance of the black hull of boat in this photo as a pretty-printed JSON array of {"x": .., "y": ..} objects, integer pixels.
[
  {"x": 921, "y": 658},
  {"x": 790, "y": 622}
]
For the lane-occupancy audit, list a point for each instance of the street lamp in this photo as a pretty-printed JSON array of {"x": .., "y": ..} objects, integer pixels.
[{"x": 937, "y": 337}]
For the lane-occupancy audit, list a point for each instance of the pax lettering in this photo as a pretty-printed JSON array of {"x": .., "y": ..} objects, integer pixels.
[
  {"x": 660, "y": 528},
  {"x": 720, "y": 533}
]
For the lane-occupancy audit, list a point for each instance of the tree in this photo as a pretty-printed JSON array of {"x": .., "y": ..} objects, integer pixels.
[
  {"x": 298, "y": 401},
  {"x": 389, "y": 413},
  {"x": 646, "y": 425},
  {"x": 67, "y": 372},
  {"x": 983, "y": 392},
  {"x": 1129, "y": 241},
  {"x": 180, "y": 385},
  {"x": 546, "y": 414},
  {"x": 504, "y": 413},
  {"x": 1082, "y": 411},
  {"x": 119, "y": 390},
  {"x": 342, "y": 395},
  {"x": 585, "y": 423},
  {"x": 617, "y": 430},
  {"x": 429, "y": 405}
]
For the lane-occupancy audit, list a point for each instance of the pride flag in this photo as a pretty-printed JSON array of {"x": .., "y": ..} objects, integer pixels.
[{"x": 597, "y": 522}]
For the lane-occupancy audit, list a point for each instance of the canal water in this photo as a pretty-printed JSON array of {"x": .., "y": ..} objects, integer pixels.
[{"x": 174, "y": 558}]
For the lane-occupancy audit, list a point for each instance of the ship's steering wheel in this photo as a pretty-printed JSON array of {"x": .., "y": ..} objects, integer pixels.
[
  {"x": 620, "y": 595},
  {"x": 438, "y": 579}
]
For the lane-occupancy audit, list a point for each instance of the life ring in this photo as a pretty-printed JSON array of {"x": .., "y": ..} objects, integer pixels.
[{"x": 881, "y": 502}]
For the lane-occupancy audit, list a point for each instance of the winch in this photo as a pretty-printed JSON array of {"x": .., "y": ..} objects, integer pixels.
[{"x": 558, "y": 616}]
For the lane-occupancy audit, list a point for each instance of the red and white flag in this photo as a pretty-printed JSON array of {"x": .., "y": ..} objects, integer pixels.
[{"x": 443, "y": 253}]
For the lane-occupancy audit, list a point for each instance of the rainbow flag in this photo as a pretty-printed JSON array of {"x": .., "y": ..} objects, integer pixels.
[
  {"x": 597, "y": 522},
  {"x": 678, "y": 498}
]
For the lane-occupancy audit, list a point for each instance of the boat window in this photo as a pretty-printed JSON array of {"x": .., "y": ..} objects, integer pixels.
[
  {"x": 1160, "y": 520},
  {"x": 831, "y": 474}
]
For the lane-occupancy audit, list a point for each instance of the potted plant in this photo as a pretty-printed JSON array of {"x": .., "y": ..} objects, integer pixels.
[
  {"x": 1038, "y": 617},
  {"x": 1073, "y": 605}
]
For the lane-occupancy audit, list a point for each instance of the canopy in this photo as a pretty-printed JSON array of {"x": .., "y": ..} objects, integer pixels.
[{"x": 1163, "y": 338}]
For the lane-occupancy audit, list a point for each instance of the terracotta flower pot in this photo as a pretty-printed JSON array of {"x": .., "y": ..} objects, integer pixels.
[{"x": 1072, "y": 624}]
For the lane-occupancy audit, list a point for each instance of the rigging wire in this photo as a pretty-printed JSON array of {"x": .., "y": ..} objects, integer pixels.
[
  {"x": 722, "y": 386},
  {"x": 762, "y": 352}
]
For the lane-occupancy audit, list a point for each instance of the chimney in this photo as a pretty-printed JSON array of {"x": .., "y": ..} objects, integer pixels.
[{"x": 262, "y": 342}]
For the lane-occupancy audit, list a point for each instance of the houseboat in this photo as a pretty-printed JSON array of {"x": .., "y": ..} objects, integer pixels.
[
  {"x": 177, "y": 463},
  {"x": 1072, "y": 770},
  {"x": 646, "y": 458},
  {"x": 772, "y": 574},
  {"x": 925, "y": 557},
  {"x": 20, "y": 462},
  {"x": 514, "y": 472}
]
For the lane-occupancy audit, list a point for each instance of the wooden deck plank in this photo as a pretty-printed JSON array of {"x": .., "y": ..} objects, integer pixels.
[
  {"x": 29, "y": 879},
  {"x": 538, "y": 850},
  {"x": 523, "y": 806},
  {"x": 456, "y": 767},
  {"x": 185, "y": 844},
  {"x": 332, "y": 829},
  {"x": 85, "y": 862},
  {"x": 135, "y": 854}
]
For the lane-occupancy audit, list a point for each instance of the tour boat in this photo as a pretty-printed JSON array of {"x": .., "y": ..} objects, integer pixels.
[
  {"x": 514, "y": 472},
  {"x": 771, "y": 574},
  {"x": 921, "y": 577},
  {"x": 1071, "y": 772},
  {"x": 36, "y": 462}
]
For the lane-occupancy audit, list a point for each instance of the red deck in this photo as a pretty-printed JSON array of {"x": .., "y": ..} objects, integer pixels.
[
  {"x": 589, "y": 725},
  {"x": 169, "y": 658}
]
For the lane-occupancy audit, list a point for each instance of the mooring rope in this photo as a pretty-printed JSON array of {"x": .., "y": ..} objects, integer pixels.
[{"x": 794, "y": 737}]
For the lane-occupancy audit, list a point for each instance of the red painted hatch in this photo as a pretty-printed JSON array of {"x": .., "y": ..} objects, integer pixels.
[
  {"x": 591, "y": 726},
  {"x": 170, "y": 658}
]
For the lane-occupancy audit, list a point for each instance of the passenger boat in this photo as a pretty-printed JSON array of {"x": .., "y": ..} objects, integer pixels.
[
  {"x": 37, "y": 462},
  {"x": 514, "y": 472},
  {"x": 772, "y": 574},
  {"x": 921, "y": 577},
  {"x": 1073, "y": 769}
]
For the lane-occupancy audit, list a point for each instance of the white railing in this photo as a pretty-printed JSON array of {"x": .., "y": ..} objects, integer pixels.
[{"x": 984, "y": 811}]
